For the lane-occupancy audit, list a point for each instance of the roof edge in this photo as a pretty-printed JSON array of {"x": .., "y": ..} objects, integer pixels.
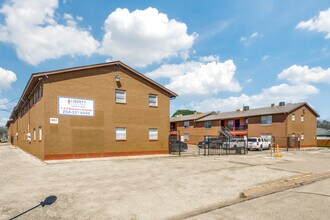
[{"x": 72, "y": 69}]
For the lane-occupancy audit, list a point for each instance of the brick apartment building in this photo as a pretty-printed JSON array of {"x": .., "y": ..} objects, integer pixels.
[
  {"x": 91, "y": 111},
  {"x": 276, "y": 123}
]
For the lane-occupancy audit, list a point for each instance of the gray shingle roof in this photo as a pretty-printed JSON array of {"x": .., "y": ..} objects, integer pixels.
[
  {"x": 257, "y": 111},
  {"x": 323, "y": 132},
  {"x": 252, "y": 112},
  {"x": 189, "y": 117}
]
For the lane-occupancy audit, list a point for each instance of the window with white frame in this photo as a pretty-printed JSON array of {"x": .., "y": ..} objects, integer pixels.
[
  {"x": 34, "y": 134},
  {"x": 40, "y": 133},
  {"x": 266, "y": 120},
  {"x": 153, "y": 134},
  {"x": 153, "y": 100},
  {"x": 302, "y": 118},
  {"x": 120, "y": 134},
  {"x": 186, "y": 137},
  {"x": 302, "y": 136},
  {"x": 186, "y": 124},
  {"x": 207, "y": 124},
  {"x": 293, "y": 117},
  {"x": 120, "y": 96}
]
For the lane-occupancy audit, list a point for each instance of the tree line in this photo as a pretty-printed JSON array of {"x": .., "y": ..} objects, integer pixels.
[{"x": 323, "y": 124}]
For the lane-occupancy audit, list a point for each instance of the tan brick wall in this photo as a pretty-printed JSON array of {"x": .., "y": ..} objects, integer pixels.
[
  {"x": 197, "y": 131},
  {"x": 78, "y": 136},
  {"x": 92, "y": 135},
  {"x": 31, "y": 120},
  {"x": 277, "y": 128},
  {"x": 307, "y": 127}
]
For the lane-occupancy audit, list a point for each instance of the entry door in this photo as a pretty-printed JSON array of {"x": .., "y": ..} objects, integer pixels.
[{"x": 237, "y": 123}]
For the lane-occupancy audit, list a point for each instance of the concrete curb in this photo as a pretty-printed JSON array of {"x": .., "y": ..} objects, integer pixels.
[
  {"x": 263, "y": 190},
  {"x": 288, "y": 183},
  {"x": 98, "y": 159}
]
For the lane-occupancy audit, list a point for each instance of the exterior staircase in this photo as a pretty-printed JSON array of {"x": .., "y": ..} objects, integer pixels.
[{"x": 226, "y": 132}]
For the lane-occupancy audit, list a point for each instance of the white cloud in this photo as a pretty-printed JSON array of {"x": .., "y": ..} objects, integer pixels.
[
  {"x": 248, "y": 80},
  {"x": 274, "y": 94},
  {"x": 246, "y": 40},
  {"x": 144, "y": 37},
  {"x": 79, "y": 18},
  {"x": 266, "y": 57},
  {"x": 70, "y": 21},
  {"x": 320, "y": 23},
  {"x": 32, "y": 28},
  {"x": 7, "y": 77},
  {"x": 210, "y": 58},
  {"x": 201, "y": 78},
  {"x": 3, "y": 103},
  {"x": 3, "y": 121},
  {"x": 303, "y": 74}
]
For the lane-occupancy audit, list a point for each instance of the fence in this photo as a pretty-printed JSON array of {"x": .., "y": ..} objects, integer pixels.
[
  {"x": 323, "y": 142},
  {"x": 289, "y": 143},
  {"x": 218, "y": 145},
  {"x": 175, "y": 146}
]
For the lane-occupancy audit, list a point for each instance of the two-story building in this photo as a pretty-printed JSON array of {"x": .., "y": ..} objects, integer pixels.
[
  {"x": 99, "y": 110},
  {"x": 276, "y": 123}
]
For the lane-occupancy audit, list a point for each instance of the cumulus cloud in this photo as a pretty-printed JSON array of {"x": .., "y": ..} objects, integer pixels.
[
  {"x": 320, "y": 23},
  {"x": 274, "y": 94},
  {"x": 197, "y": 77},
  {"x": 33, "y": 29},
  {"x": 7, "y": 77},
  {"x": 303, "y": 75},
  {"x": 144, "y": 37}
]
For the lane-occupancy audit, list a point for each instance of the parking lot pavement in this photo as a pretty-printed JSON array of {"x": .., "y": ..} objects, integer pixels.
[
  {"x": 154, "y": 188},
  {"x": 306, "y": 202}
]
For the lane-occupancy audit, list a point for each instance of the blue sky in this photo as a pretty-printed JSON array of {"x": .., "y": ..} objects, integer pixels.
[{"x": 217, "y": 55}]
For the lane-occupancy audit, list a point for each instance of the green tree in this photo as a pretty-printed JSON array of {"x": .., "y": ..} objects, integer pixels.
[
  {"x": 3, "y": 132},
  {"x": 184, "y": 112},
  {"x": 323, "y": 124}
]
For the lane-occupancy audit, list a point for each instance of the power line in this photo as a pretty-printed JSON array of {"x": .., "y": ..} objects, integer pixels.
[{"x": 9, "y": 101}]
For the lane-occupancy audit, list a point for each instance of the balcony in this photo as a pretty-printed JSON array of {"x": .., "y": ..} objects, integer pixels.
[
  {"x": 239, "y": 128},
  {"x": 239, "y": 131}
]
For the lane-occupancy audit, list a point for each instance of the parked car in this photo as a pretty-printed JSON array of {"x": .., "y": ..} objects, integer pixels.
[
  {"x": 176, "y": 145},
  {"x": 236, "y": 142},
  {"x": 210, "y": 142},
  {"x": 257, "y": 143},
  {"x": 216, "y": 144},
  {"x": 4, "y": 140},
  {"x": 267, "y": 144}
]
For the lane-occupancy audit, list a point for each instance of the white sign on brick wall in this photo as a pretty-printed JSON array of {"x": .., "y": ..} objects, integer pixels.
[
  {"x": 75, "y": 107},
  {"x": 53, "y": 120}
]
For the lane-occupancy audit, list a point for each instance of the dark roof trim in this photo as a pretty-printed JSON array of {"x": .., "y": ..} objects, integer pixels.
[
  {"x": 40, "y": 74},
  {"x": 310, "y": 108}
]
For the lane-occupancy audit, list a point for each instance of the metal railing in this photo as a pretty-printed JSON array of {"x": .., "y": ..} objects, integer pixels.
[
  {"x": 226, "y": 132},
  {"x": 215, "y": 145}
]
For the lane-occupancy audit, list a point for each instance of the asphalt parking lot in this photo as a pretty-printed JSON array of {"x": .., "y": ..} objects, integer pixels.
[{"x": 138, "y": 187}]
